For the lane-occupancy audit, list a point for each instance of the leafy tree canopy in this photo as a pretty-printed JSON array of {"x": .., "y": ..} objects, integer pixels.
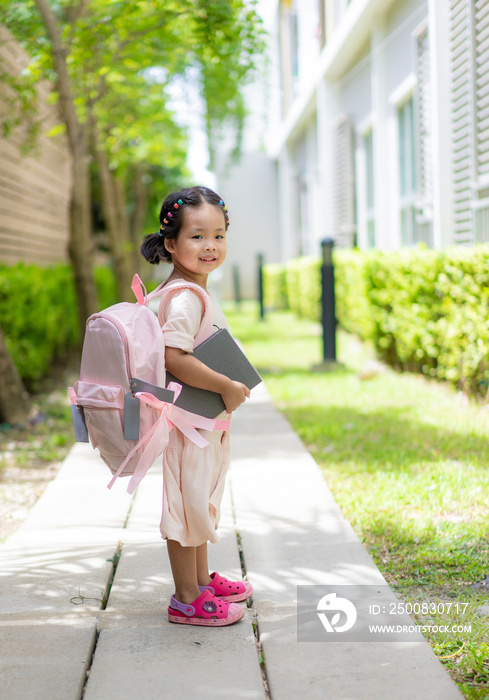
[
  {"x": 109, "y": 44},
  {"x": 101, "y": 57}
]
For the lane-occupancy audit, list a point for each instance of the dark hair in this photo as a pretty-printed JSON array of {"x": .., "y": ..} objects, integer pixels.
[{"x": 171, "y": 219}]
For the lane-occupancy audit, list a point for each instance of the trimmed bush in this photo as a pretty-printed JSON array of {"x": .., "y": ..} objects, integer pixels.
[
  {"x": 353, "y": 308},
  {"x": 39, "y": 316},
  {"x": 309, "y": 272},
  {"x": 302, "y": 287},
  {"x": 425, "y": 311},
  {"x": 430, "y": 312},
  {"x": 106, "y": 287},
  {"x": 275, "y": 287}
]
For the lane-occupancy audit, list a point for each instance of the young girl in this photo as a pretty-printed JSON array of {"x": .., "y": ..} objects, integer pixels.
[{"x": 192, "y": 237}]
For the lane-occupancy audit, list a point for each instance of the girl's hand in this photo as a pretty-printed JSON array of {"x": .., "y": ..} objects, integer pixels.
[
  {"x": 235, "y": 395},
  {"x": 190, "y": 370}
]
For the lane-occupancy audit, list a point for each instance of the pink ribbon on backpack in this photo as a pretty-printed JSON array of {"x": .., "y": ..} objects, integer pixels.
[{"x": 158, "y": 435}]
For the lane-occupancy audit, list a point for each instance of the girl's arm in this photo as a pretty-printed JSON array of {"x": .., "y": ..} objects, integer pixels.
[{"x": 191, "y": 371}]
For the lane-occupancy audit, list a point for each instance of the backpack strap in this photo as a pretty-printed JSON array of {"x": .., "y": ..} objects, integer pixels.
[
  {"x": 164, "y": 288},
  {"x": 205, "y": 329},
  {"x": 144, "y": 298},
  {"x": 175, "y": 285}
]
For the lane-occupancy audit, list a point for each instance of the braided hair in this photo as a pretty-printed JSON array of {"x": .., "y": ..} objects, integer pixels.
[{"x": 171, "y": 220}]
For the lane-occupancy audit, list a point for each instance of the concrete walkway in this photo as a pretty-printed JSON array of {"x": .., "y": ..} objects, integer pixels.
[{"x": 279, "y": 521}]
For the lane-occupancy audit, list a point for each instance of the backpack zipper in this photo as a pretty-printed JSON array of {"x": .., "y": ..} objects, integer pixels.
[{"x": 123, "y": 338}]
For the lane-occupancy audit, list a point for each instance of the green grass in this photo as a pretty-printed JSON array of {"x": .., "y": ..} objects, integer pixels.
[
  {"x": 407, "y": 460},
  {"x": 50, "y": 436}
]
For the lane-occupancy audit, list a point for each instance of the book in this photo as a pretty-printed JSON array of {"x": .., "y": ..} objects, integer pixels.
[{"x": 221, "y": 353}]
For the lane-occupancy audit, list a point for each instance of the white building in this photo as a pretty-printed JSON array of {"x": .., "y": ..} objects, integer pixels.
[
  {"x": 383, "y": 139},
  {"x": 250, "y": 186}
]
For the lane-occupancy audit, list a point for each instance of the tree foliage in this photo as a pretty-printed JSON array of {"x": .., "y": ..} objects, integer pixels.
[
  {"x": 102, "y": 57},
  {"x": 109, "y": 47}
]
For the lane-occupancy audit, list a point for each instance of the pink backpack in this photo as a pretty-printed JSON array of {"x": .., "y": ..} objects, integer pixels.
[{"x": 120, "y": 401}]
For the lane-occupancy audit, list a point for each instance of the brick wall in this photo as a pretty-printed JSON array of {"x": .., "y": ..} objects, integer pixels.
[{"x": 34, "y": 187}]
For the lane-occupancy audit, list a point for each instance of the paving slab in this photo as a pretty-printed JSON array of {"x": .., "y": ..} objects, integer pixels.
[
  {"x": 46, "y": 657},
  {"x": 60, "y": 551},
  {"x": 293, "y": 533},
  {"x": 139, "y": 653}
]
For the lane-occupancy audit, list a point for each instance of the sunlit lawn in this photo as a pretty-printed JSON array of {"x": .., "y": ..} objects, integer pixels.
[{"x": 406, "y": 459}]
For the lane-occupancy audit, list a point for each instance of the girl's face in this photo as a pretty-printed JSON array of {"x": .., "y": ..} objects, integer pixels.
[{"x": 200, "y": 246}]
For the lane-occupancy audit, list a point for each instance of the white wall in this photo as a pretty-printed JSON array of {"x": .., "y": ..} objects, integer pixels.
[
  {"x": 250, "y": 192},
  {"x": 250, "y": 186}
]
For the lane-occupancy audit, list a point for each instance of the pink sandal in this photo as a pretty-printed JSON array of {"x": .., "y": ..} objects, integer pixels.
[
  {"x": 206, "y": 610},
  {"x": 230, "y": 591}
]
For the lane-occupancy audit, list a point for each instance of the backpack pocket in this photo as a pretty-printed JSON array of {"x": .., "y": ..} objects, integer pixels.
[
  {"x": 104, "y": 415},
  {"x": 99, "y": 396}
]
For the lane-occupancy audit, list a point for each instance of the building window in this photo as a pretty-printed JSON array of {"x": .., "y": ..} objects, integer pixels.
[
  {"x": 289, "y": 51},
  {"x": 294, "y": 45},
  {"x": 480, "y": 199},
  {"x": 407, "y": 173},
  {"x": 368, "y": 145},
  {"x": 469, "y": 67},
  {"x": 406, "y": 148},
  {"x": 343, "y": 189},
  {"x": 424, "y": 177}
]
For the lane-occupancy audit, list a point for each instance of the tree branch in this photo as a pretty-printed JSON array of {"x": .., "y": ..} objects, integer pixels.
[
  {"x": 74, "y": 14},
  {"x": 144, "y": 32},
  {"x": 64, "y": 85}
]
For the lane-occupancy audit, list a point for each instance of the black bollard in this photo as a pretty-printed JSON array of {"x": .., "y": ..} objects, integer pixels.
[
  {"x": 328, "y": 316},
  {"x": 236, "y": 284},
  {"x": 260, "y": 286}
]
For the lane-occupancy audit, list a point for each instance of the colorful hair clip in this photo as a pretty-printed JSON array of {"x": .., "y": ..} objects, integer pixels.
[
  {"x": 169, "y": 215},
  {"x": 221, "y": 202},
  {"x": 176, "y": 205},
  {"x": 180, "y": 202},
  {"x": 160, "y": 233}
]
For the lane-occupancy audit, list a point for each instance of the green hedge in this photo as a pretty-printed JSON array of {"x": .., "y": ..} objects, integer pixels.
[
  {"x": 353, "y": 307},
  {"x": 39, "y": 317},
  {"x": 106, "y": 287},
  {"x": 294, "y": 286},
  {"x": 275, "y": 287},
  {"x": 425, "y": 311}
]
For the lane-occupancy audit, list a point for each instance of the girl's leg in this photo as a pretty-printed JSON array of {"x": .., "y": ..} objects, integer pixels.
[
  {"x": 183, "y": 561},
  {"x": 203, "y": 577}
]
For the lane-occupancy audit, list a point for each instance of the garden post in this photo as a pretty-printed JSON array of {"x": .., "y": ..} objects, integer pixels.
[
  {"x": 328, "y": 316},
  {"x": 236, "y": 284},
  {"x": 260, "y": 286}
]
